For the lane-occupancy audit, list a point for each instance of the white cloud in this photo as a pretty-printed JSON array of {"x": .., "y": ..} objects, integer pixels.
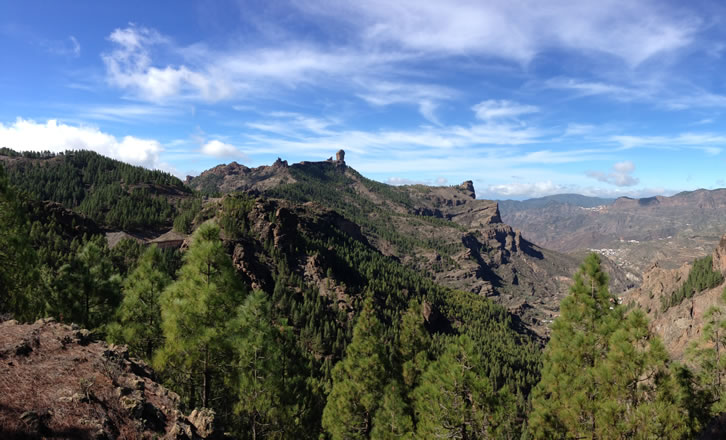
[
  {"x": 501, "y": 109},
  {"x": 211, "y": 76},
  {"x": 129, "y": 66},
  {"x": 76, "y": 46},
  {"x": 405, "y": 181},
  {"x": 220, "y": 149},
  {"x": 425, "y": 96},
  {"x": 620, "y": 175},
  {"x": 28, "y": 135},
  {"x": 127, "y": 113},
  {"x": 535, "y": 189},
  {"x": 518, "y": 30},
  {"x": 548, "y": 188},
  {"x": 707, "y": 142},
  {"x": 578, "y": 129},
  {"x": 590, "y": 88}
]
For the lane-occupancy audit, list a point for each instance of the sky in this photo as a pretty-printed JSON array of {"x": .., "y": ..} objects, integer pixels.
[{"x": 524, "y": 98}]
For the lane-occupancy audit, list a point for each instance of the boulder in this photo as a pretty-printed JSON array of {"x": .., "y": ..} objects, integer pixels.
[{"x": 203, "y": 421}]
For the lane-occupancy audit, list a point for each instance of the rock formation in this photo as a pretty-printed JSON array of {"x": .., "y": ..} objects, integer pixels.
[{"x": 56, "y": 382}]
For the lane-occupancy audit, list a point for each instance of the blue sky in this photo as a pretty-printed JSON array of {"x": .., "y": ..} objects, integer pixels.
[{"x": 525, "y": 98}]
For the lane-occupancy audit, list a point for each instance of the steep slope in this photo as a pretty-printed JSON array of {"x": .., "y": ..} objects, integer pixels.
[
  {"x": 318, "y": 267},
  {"x": 114, "y": 194},
  {"x": 444, "y": 232},
  {"x": 58, "y": 383},
  {"x": 634, "y": 232},
  {"x": 678, "y": 325}
]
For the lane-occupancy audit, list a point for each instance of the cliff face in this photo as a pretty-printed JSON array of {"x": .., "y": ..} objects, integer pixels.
[
  {"x": 57, "y": 383},
  {"x": 681, "y": 324}
]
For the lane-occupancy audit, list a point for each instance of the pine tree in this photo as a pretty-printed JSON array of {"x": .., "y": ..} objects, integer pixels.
[
  {"x": 455, "y": 398},
  {"x": 358, "y": 381},
  {"x": 139, "y": 315},
  {"x": 604, "y": 375},
  {"x": 269, "y": 388},
  {"x": 709, "y": 356},
  {"x": 638, "y": 395},
  {"x": 413, "y": 345},
  {"x": 393, "y": 420},
  {"x": 18, "y": 274},
  {"x": 87, "y": 289},
  {"x": 195, "y": 311}
]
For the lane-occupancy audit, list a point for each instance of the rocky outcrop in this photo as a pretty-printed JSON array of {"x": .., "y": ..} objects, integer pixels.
[
  {"x": 719, "y": 256},
  {"x": 679, "y": 325},
  {"x": 56, "y": 382}
]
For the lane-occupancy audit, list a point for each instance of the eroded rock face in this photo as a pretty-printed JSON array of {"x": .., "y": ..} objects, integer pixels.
[
  {"x": 65, "y": 385},
  {"x": 679, "y": 325},
  {"x": 719, "y": 256}
]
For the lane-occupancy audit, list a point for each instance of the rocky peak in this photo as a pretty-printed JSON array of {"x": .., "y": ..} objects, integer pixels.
[
  {"x": 719, "y": 256},
  {"x": 468, "y": 186},
  {"x": 279, "y": 163}
]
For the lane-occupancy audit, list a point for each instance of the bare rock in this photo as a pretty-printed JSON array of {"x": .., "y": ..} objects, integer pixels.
[
  {"x": 719, "y": 256},
  {"x": 203, "y": 421}
]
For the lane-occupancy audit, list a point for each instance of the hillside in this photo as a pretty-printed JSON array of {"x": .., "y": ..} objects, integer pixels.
[
  {"x": 114, "y": 194},
  {"x": 314, "y": 268},
  {"x": 445, "y": 232},
  {"x": 680, "y": 324},
  {"x": 634, "y": 232}
]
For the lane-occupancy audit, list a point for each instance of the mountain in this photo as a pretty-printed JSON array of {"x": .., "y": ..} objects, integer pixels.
[
  {"x": 445, "y": 232},
  {"x": 633, "y": 232},
  {"x": 316, "y": 269},
  {"x": 114, "y": 194},
  {"x": 510, "y": 206}
]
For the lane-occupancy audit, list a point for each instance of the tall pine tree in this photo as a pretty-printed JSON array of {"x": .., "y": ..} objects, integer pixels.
[
  {"x": 139, "y": 315},
  {"x": 18, "y": 272},
  {"x": 195, "y": 311},
  {"x": 455, "y": 398},
  {"x": 604, "y": 375},
  {"x": 270, "y": 390},
  {"x": 358, "y": 381}
]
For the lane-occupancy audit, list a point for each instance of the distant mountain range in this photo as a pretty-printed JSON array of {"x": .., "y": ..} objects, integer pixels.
[
  {"x": 510, "y": 206},
  {"x": 635, "y": 232}
]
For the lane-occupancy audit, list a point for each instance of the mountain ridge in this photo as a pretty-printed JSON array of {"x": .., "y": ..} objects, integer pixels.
[{"x": 445, "y": 231}]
